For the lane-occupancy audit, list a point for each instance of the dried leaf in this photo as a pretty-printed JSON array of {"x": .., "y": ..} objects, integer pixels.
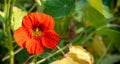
[
  {"x": 76, "y": 55},
  {"x": 80, "y": 55},
  {"x": 66, "y": 60}
]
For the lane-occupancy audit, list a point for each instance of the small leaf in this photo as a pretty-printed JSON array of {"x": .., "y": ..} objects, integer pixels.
[{"x": 59, "y": 8}]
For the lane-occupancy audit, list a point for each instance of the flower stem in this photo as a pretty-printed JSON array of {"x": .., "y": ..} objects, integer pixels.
[
  {"x": 7, "y": 27},
  {"x": 34, "y": 61},
  {"x": 61, "y": 50},
  {"x": 7, "y": 57},
  {"x": 34, "y": 5},
  {"x": 28, "y": 59},
  {"x": 98, "y": 29},
  {"x": 51, "y": 55}
]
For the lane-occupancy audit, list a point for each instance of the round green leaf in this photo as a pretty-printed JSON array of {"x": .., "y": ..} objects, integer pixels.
[{"x": 59, "y": 8}]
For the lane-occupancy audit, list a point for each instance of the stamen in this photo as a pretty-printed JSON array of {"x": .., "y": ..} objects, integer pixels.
[{"x": 37, "y": 32}]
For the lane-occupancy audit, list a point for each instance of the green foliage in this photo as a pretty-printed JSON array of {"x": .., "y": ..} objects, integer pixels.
[
  {"x": 23, "y": 54},
  {"x": 62, "y": 26},
  {"x": 59, "y": 8},
  {"x": 94, "y": 17},
  {"x": 97, "y": 4}
]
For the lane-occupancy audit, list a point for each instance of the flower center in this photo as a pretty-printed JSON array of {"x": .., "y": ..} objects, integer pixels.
[{"x": 37, "y": 32}]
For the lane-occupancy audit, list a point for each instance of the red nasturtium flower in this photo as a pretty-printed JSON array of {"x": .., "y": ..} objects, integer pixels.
[{"x": 37, "y": 32}]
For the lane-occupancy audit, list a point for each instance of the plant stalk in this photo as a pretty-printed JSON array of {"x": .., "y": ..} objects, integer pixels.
[{"x": 7, "y": 27}]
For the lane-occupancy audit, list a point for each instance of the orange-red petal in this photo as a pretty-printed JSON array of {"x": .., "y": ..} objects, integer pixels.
[
  {"x": 50, "y": 39},
  {"x": 34, "y": 46},
  {"x": 46, "y": 21},
  {"x": 27, "y": 21},
  {"x": 21, "y": 36},
  {"x": 39, "y": 20}
]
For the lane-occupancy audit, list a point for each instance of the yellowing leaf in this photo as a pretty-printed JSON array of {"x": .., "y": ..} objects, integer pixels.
[
  {"x": 98, "y": 45},
  {"x": 80, "y": 55},
  {"x": 97, "y": 4},
  {"x": 17, "y": 17},
  {"x": 66, "y": 60}
]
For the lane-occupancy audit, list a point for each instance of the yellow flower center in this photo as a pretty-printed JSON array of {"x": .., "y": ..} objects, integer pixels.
[{"x": 37, "y": 32}]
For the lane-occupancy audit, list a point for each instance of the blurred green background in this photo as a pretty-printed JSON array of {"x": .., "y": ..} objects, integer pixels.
[{"x": 94, "y": 24}]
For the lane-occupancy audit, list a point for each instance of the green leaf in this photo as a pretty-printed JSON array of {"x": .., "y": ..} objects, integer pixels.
[
  {"x": 97, "y": 4},
  {"x": 61, "y": 26},
  {"x": 17, "y": 17},
  {"x": 95, "y": 18},
  {"x": 110, "y": 59},
  {"x": 59, "y": 8}
]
